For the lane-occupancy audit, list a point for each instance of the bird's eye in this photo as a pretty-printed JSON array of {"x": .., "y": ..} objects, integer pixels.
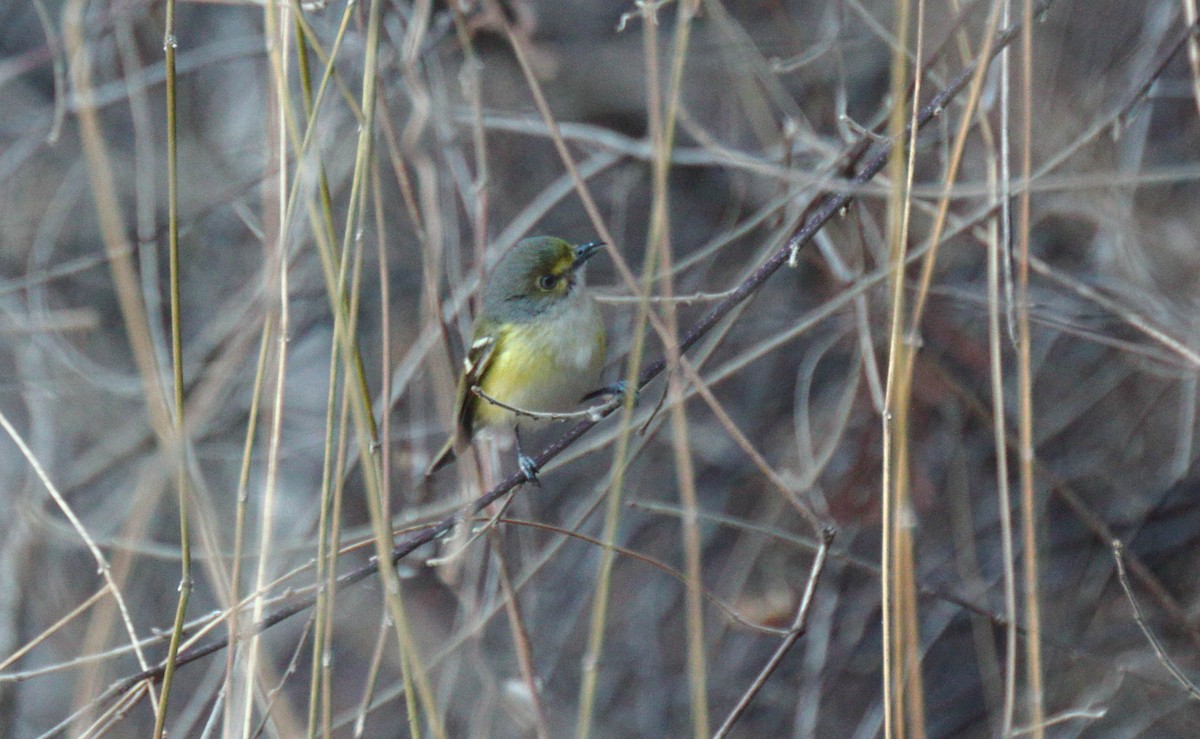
[{"x": 547, "y": 282}]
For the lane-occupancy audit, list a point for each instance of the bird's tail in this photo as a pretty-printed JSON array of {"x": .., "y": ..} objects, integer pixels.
[{"x": 442, "y": 458}]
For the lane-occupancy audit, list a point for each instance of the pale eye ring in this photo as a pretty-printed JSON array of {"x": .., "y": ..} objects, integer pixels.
[{"x": 547, "y": 282}]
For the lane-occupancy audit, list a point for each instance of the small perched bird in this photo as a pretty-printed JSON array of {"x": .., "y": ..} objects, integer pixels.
[{"x": 538, "y": 344}]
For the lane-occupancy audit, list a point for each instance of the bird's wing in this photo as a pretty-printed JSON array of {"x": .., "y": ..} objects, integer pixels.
[{"x": 475, "y": 366}]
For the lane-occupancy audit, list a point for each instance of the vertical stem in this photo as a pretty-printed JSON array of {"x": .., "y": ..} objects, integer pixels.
[
  {"x": 1033, "y": 620},
  {"x": 364, "y": 420},
  {"x": 275, "y": 220},
  {"x": 239, "y": 528},
  {"x": 663, "y": 136},
  {"x": 894, "y": 473},
  {"x": 1000, "y": 439},
  {"x": 180, "y": 448}
]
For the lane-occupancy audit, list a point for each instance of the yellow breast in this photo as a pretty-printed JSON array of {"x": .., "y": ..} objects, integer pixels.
[{"x": 544, "y": 366}]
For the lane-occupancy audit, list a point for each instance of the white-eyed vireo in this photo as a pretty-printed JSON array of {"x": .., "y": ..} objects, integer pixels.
[{"x": 538, "y": 344}]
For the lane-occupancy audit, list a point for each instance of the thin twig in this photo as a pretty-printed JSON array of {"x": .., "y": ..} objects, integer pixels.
[
  {"x": 290, "y": 670},
  {"x": 596, "y": 412},
  {"x": 698, "y": 297},
  {"x": 371, "y": 678},
  {"x": 522, "y": 644},
  {"x": 182, "y": 482},
  {"x": 794, "y": 633},
  {"x": 791, "y": 492},
  {"x": 241, "y": 709},
  {"x": 102, "y": 565},
  {"x": 1118, "y": 550},
  {"x": 1029, "y": 550},
  {"x": 56, "y": 626},
  {"x": 727, "y": 608},
  {"x": 997, "y": 253},
  {"x": 459, "y": 547},
  {"x": 1082, "y": 714}
]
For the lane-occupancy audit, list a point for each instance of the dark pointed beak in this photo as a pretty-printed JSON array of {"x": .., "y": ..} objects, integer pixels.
[{"x": 584, "y": 252}]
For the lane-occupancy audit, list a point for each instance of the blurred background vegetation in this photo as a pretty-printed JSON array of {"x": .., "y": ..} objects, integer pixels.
[{"x": 701, "y": 133}]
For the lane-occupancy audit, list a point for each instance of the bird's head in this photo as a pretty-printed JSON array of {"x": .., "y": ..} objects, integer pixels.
[{"x": 537, "y": 274}]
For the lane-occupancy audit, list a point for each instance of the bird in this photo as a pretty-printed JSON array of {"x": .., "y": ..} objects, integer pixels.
[{"x": 538, "y": 344}]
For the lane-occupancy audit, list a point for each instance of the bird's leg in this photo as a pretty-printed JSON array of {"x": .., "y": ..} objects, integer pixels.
[
  {"x": 528, "y": 467},
  {"x": 615, "y": 390}
]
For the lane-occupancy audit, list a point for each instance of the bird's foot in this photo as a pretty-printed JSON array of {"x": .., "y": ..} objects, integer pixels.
[{"x": 529, "y": 468}]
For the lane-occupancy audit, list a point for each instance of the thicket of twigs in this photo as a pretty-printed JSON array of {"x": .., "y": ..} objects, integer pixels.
[{"x": 239, "y": 269}]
